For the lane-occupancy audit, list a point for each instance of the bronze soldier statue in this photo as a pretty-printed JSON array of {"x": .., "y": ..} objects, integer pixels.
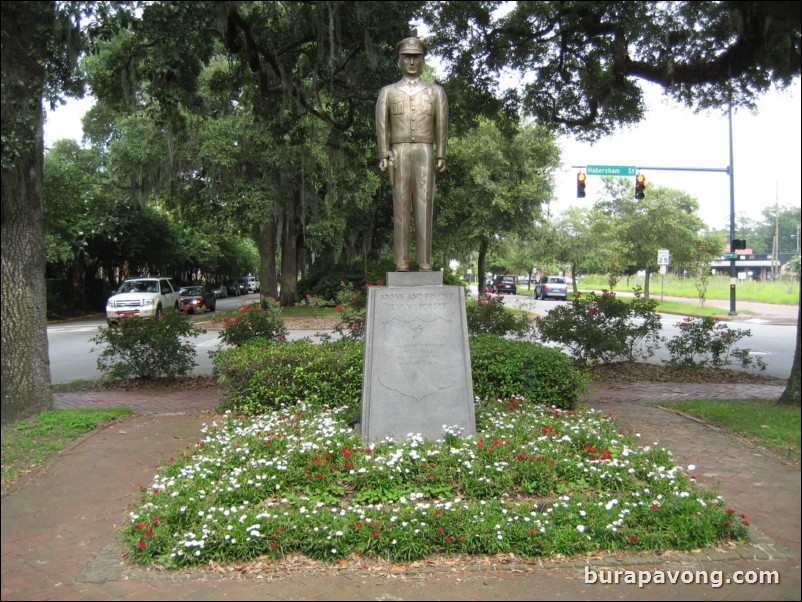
[{"x": 412, "y": 129}]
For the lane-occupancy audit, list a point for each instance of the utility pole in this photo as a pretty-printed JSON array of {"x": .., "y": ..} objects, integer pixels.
[
  {"x": 775, "y": 247},
  {"x": 733, "y": 270}
]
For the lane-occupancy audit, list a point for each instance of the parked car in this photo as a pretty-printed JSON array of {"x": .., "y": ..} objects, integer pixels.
[
  {"x": 197, "y": 297},
  {"x": 505, "y": 284},
  {"x": 220, "y": 290},
  {"x": 235, "y": 288},
  {"x": 252, "y": 284},
  {"x": 551, "y": 287},
  {"x": 142, "y": 298}
]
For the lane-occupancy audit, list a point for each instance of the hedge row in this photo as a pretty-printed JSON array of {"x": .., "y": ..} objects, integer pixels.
[{"x": 261, "y": 375}]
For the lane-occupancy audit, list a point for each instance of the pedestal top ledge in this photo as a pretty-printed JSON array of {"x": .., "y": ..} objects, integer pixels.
[{"x": 415, "y": 278}]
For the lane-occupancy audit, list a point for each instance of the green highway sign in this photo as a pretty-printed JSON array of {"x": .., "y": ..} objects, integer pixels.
[
  {"x": 730, "y": 255},
  {"x": 611, "y": 170}
]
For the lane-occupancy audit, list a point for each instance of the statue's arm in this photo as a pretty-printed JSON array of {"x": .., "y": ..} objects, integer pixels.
[
  {"x": 441, "y": 134},
  {"x": 382, "y": 120}
]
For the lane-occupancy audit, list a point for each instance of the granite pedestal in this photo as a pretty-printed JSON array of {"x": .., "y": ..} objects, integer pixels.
[{"x": 417, "y": 375}]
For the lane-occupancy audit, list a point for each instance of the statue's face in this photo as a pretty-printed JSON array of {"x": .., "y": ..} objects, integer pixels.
[{"x": 411, "y": 64}]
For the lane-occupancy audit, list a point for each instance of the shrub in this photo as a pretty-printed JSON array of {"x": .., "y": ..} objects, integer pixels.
[
  {"x": 488, "y": 316},
  {"x": 254, "y": 321},
  {"x": 148, "y": 349},
  {"x": 705, "y": 341},
  {"x": 352, "y": 303},
  {"x": 602, "y": 328},
  {"x": 259, "y": 376},
  {"x": 327, "y": 281},
  {"x": 503, "y": 368}
]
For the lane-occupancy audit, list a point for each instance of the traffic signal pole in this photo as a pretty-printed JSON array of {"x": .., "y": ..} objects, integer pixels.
[
  {"x": 630, "y": 170},
  {"x": 733, "y": 271}
]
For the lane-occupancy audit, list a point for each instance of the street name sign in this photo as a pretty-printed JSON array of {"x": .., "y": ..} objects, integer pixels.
[{"x": 611, "y": 170}]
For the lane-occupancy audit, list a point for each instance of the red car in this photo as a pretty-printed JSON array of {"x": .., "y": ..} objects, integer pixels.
[{"x": 196, "y": 298}]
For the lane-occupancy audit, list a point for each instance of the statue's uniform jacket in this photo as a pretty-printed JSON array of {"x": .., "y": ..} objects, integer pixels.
[
  {"x": 413, "y": 124},
  {"x": 420, "y": 117}
]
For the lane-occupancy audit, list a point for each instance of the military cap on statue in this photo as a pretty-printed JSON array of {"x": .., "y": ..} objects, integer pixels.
[{"x": 410, "y": 46}]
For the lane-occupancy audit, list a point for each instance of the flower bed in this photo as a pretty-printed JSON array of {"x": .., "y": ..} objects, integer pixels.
[{"x": 535, "y": 482}]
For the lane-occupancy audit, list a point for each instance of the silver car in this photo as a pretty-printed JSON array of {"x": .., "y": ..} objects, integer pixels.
[{"x": 552, "y": 287}]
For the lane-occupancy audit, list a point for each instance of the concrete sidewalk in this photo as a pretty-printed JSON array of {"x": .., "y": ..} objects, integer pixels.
[{"x": 61, "y": 541}]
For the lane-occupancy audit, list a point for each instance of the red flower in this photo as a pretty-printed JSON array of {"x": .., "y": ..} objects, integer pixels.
[
  {"x": 149, "y": 533},
  {"x": 339, "y": 307},
  {"x": 141, "y": 544},
  {"x": 745, "y": 522},
  {"x": 274, "y": 545},
  {"x": 375, "y": 534},
  {"x": 633, "y": 537}
]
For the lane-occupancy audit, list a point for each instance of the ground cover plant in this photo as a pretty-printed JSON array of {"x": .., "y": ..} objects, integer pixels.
[{"x": 535, "y": 481}]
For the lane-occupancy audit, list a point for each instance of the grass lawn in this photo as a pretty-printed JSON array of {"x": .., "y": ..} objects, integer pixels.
[
  {"x": 30, "y": 443},
  {"x": 772, "y": 426},
  {"x": 718, "y": 287}
]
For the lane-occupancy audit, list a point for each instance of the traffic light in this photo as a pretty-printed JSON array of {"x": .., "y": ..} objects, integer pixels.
[
  {"x": 738, "y": 244},
  {"x": 580, "y": 185},
  {"x": 640, "y": 186}
]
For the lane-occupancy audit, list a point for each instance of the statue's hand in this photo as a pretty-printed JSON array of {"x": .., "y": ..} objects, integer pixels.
[
  {"x": 441, "y": 165},
  {"x": 383, "y": 165}
]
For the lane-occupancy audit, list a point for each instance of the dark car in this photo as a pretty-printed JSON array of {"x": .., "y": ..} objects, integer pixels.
[
  {"x": 220, "y": 290},
  {"x": 235, "y": 288},
  {"x": 505, "y": 284},
  {"x": 197, "y": 297}
]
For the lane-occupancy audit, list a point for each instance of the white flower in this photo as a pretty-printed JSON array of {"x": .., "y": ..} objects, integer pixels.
[
  {"x": 580, "y": 528},
  {"x": 691, "y": 467}
]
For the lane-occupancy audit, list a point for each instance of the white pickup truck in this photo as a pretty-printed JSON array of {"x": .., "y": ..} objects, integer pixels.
[
  {"x": 552, "y": 286},
  {"x": 142, "y": 298}
]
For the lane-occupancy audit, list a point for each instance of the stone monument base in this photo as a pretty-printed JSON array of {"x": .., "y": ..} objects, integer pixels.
[{"x": 417, "y": 375}]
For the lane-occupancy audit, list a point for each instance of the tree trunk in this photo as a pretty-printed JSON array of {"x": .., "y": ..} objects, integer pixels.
[
  {"x": 268, "y": 245},
  {"x": 25, "y": 364},
  {"x": 790, "y": 396},
  {"x": 290, "y": 236},
  {"x": 646, "y": 283},
  {"x": 480, "y": 265}
]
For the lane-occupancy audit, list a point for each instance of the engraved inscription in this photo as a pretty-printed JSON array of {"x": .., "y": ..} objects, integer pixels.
[{"x": 415, "y": 357}]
